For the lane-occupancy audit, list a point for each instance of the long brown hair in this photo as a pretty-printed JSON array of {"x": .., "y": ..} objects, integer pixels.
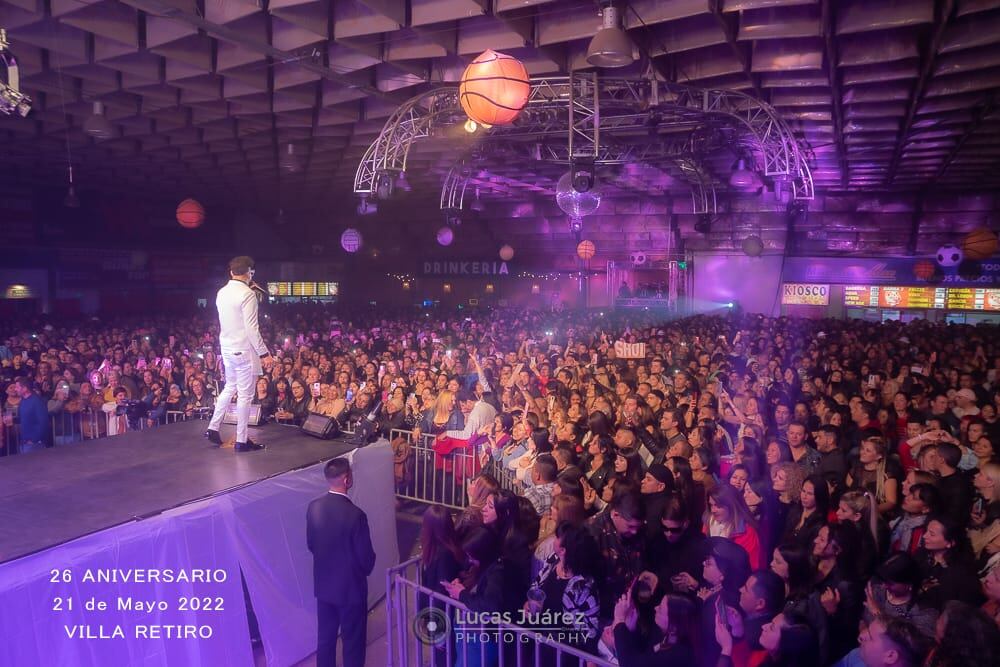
[{"x": 437, "y": 534}]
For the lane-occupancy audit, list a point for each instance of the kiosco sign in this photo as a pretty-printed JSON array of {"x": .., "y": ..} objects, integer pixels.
[{"x": 805, "y": 294}]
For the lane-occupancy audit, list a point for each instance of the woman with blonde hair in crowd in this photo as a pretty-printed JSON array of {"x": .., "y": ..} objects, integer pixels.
[{"x": 874, "y": 473}]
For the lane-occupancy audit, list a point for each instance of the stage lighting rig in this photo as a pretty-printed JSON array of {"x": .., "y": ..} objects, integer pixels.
[{"x": 12, "y": 100}]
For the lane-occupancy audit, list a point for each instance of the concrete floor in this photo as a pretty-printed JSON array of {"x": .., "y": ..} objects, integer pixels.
[{"x": 408, "y": 535}]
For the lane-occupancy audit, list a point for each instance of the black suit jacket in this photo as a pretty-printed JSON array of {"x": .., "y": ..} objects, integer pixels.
[{"x": 343, "y": 557}]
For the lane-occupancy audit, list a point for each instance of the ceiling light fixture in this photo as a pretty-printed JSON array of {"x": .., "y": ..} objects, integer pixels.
[
  {"x": 383, "y": 186},
  {"x": 97, "y": 125},
  {"x": 741, "y": 176},
  {"x": 289, "y": 162},
  {"x": 477, "y": 203},
  {"x": 610, "y": 47},
  {"x": 71, "y": 200},
  {"x": 402, "y": 184},
  {"x": 471, "y": 126}
]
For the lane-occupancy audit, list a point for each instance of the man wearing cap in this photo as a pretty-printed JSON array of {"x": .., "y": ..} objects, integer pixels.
[
  {"x": 965, "y": 404},
  {"x": 243, "y": 351}
]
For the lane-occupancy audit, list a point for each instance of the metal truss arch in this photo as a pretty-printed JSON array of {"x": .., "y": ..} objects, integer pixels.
[{"x": 610, "y": 121}]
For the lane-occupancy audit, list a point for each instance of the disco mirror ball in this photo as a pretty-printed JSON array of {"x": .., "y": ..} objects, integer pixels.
[{"x": 576, "y": 204}]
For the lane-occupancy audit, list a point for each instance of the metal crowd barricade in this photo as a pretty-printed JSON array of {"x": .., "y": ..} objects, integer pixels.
[
  {"x": 432, "y": 478},
  {"x": 421, "y": 630}
]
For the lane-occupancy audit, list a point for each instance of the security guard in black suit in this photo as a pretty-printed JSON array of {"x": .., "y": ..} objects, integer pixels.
[{"x": 338, "y": 537}]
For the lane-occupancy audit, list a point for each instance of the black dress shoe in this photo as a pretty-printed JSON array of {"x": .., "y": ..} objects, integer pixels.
[
  {"x": 213, "y": 437},
  {"x": 248, "y": 446}
]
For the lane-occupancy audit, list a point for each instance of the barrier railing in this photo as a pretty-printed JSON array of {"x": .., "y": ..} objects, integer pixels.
[
  {"x": 424, "y": 627},
  {"x": 429, "y": 477}
]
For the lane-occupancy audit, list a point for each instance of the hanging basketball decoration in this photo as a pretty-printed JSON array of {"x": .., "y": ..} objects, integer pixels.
[
  {"x": 586, "y": 250},
  {"x": 752, "y": 246},
  {"x": 980, "y": 244},
  {"x": 494, "y": 88},
  {"x": 506, "y": 253},
  {"x": 350, "y": 240},
  {"x": 924, "y": 269},
  {"x": 445, "y": 236},
  {"x": 949, "y": 255},
  {"x": 190, "y": 214}
]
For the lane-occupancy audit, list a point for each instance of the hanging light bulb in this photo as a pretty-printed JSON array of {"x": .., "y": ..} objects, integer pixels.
[
  {"x": 71, "y": 200},
  {"x": 97, "y": 125}
]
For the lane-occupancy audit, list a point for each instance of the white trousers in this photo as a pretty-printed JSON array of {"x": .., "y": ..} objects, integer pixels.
[{"x": 241, "y": 375}]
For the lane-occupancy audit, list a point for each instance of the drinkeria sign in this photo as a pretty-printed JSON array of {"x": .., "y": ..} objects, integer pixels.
[
  {"x": 805, "y": 294},
  {"x": 466, "y": 268}
]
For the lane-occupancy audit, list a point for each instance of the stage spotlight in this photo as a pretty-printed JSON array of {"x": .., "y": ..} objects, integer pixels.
[
  {"x": 704, "y": 224},
  {"x": 576, "y": 225},
  {"x": 730, "y": 305},
  {"x": 383, "y": 186},
  {"x": 12, "y": 100}
]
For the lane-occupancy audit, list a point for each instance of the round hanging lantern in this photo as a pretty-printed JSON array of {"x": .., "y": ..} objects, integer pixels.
[
  {"x": 980, "y": 244},
  {"x": 586, "y": 250},
  {"x": 190, "y": 214},
  {"x": 494, "y": 88},
  {"x": 445, "y": 236},
  {"x": 949, "y": 255},
  {"x": 350, "y": 240},
  {"x": 506, "y": 253},
  {"x": 753, "y": 246},
  {"x": 924, "y": 269}
]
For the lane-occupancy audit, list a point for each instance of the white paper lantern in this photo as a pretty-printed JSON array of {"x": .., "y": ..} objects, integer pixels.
[
  {"x": 350, "y": 240},
  {"x": 445, "y": 236}
]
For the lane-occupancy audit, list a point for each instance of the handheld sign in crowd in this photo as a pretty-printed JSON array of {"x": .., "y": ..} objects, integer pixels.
[{"x": 625, "y": 350}]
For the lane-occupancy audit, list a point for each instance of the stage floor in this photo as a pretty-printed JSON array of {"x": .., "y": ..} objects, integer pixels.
[{"x": 56, "y": 495}]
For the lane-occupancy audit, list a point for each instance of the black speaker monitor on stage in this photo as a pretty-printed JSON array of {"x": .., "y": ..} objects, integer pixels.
[
  {"x": 321, "y": 426},
  {"x": 230, "y": 417}
]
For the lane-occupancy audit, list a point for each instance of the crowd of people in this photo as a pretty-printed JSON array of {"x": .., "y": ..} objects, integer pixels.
[{"x": 746, "y": 491}]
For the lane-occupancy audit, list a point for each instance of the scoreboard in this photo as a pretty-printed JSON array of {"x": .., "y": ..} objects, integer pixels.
[
  {"x": 303, "y": 289},
  {"x": 926, "y": 298},
  {"x": 911, "y": 297},
  {"x": 860, "y": 296},
  {"x": 974, "y": 298}
]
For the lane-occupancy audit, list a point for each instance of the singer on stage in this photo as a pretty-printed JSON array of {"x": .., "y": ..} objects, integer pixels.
[{"x": 243, "y": 351}]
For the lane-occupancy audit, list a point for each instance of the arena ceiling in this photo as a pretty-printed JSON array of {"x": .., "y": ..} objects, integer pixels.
[{"x": 891, "y": 97}]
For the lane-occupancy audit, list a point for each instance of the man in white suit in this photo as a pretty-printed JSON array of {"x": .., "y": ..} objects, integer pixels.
[{"x": 243, "y": 351}]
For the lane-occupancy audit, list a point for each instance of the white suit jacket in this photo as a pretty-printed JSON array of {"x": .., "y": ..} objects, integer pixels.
[{"x": 238, "y": 327}]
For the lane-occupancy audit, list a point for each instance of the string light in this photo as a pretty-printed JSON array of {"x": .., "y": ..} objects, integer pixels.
[
  {"x": 401, "y": 277},
  {"x": 543, "y": 276}
]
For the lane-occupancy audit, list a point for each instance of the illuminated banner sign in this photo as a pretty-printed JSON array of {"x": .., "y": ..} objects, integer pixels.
[
  {"x": 465, "y": 268},
  {"x": 882, "y": 271},
  {"x": 804, "y": 294}
]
